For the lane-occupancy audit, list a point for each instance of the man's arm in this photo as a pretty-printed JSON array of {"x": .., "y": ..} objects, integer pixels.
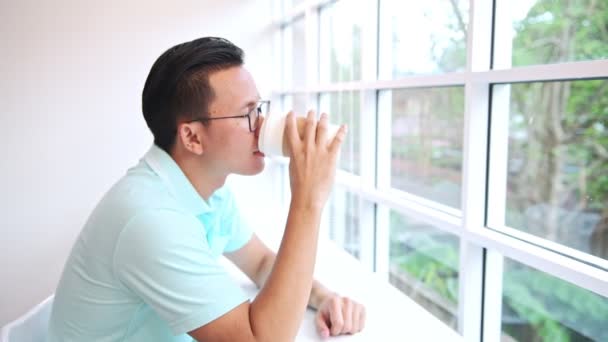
[
  {"x": 276, "y": 312},
  {"x": 335, "y": 314},
  {"x": 255, "y": 259}
]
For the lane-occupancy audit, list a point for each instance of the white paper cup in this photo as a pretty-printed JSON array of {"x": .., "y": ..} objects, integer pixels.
[{"x": 271, "y": 140}]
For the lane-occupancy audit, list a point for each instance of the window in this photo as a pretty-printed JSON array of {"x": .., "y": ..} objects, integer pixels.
[
  {"x": 422, "y": 37},
  {"x": 426, "y": 146},
  {"x": 424, "y": 265},
  {"x": 557, "y": 162},
  {"x": 539, "y": 307},
  {"x": 294, "y": 53},
  {"x": 475, "y": 173},
  {"x": 292, "y": 3},
  {"x": 298, "y": 103},
  {"x": 345, "y": 108},
  {"x": 344, "y": 221},
  {"x": 340, "y": 48},
  {"x": 556, "y": 31}
]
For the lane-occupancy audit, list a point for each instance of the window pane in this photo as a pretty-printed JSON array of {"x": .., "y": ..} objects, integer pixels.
[
  {"x": 422, "y": 37},
  {"x": 540, "y": 307},
  {"x": 345, "y": 108},
  {"x": 297, "y": 103},
  {"x": 294, "y": 42},
  {"x": 341, "y": 41},
  {"x": 557, "y": 181},
  {"x": 292, "y": 3},
  {"x": 427, "y": 133},
  {"x": 551, "y": 31},
  {"x": 344, "y": 209},
  {"x": 424, "y": 265}
]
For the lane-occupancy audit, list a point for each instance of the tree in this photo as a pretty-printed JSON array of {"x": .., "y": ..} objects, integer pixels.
[{"x": 558, "y": 166}]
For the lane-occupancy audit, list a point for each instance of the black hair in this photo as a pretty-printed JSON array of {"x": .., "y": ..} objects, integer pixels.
[{"x": 178, "y": 84}]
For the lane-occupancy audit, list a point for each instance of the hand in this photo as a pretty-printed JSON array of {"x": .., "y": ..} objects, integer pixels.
[
  {"x": 339, "y": 315},
  {"x": 313, "y": 162}
]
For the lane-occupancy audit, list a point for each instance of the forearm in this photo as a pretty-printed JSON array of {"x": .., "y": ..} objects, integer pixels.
[
  {"x": 278, "y": 309},
  {"x": 317, "y": 294}
]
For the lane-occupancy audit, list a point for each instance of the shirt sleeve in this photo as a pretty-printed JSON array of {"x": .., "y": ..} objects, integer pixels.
[
  {"x": 240, "y": 230},
  {"x": 163, "y": 257}
]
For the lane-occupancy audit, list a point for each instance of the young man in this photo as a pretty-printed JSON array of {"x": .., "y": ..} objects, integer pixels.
[{"x": 145, "y": 266}]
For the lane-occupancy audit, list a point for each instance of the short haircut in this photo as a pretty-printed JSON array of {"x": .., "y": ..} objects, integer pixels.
[{"x": 178, "y": 84}]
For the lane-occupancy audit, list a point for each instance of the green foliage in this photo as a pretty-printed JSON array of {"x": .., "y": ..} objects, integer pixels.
[
  {"x": 427, "y": 142},
  {"x": 553, "y": 31},
  {"x": 554, "y": 307},
  {"x": 558, "y": 31},
  {"x": 561, "y": 30},
  {"x": 431, "y": 259}
]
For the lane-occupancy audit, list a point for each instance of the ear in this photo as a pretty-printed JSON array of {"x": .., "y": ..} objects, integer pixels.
[{"x": 189, "y": 136}]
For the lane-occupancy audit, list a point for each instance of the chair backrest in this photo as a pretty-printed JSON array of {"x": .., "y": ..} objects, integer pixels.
[{"x": 31, "y": 327}]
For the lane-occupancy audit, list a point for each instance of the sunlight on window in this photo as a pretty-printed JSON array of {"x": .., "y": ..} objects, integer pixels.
[{"x": 422, "y": 37}]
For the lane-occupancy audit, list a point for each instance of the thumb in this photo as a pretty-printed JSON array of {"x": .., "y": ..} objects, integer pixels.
[{"x": 321, "y": 324}]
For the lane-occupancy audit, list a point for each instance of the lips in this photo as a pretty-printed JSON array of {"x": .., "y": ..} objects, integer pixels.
[{"x": 258, "y": 153}]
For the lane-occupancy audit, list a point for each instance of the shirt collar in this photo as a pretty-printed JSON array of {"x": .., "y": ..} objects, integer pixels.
[{"x": 174, "y": 178}]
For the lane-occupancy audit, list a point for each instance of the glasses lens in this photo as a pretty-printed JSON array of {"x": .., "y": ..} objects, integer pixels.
[
  {"x": 261, "y": 109},
  {"x": 264, "y": 107}
]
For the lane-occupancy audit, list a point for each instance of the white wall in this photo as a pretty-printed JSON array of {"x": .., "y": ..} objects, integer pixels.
[{"x": 71, "y": 75}]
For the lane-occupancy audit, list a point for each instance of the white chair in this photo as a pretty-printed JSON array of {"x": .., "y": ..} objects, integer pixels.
[{"x": 31, "y": 327}]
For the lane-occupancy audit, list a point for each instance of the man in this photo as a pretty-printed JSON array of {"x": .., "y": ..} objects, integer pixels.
[{"x": 145, "y": 266}]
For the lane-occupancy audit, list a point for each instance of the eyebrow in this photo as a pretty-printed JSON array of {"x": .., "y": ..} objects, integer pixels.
[{"x": 252, "y": 103}]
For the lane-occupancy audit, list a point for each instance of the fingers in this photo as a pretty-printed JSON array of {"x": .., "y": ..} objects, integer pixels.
[
  {"x": 312, "y": 166},
  {"x": 346, "y": 316},
  {"x": 291, "y": 129},
  {"x": 339, "y": 315},
  {"x": 362, "y": 317},
  {"x": 338, "y": 139},
  {"x": 322, "y": 129},
  {"x": 310, "y": 130},
  {"x": 358, "y": 318},
  {"x": 322, "y": 325},
  {"x": 337, "y": 321},
  {"x": 347, "y": 313}
]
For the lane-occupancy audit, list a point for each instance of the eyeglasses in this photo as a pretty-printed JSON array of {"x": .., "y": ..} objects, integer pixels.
[{"x": 261, "y": 107}]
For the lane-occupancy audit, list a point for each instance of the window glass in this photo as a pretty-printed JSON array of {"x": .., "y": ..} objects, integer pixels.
[
  {"x": 292, "y": 3},
  {"x": 294, "y": 43},
  {"x": 422, "y": 37},
  {"x": 424, "y": 265},
  {"x": 344, "y": 108},
  {"x": 557, "y": 172},
  {"x": 298, "y": 103},
  {"x": 552, "y": 31},
  {"x": 341, "y": 41},
  {"x": 540, "y": 307},
  {"x": 427, "y": 137},
  {"x": 344, "y": 227}
]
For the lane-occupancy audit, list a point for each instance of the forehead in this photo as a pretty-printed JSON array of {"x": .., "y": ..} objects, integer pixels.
[{"x": 233, "y": 87}]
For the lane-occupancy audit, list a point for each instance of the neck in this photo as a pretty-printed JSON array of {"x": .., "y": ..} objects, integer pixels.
[{"x": 203, "y": 177}]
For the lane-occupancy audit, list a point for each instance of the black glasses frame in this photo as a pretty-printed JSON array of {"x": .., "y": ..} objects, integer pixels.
[{"x": 257, "y": 110}]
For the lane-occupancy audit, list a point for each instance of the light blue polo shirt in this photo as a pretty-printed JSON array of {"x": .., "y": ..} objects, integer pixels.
[{"x": 145, "y": 266}]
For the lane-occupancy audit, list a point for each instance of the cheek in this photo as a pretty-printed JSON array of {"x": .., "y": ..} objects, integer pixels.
[
  {"x": 231, "y": 139},
  {"x": 221, "y": 138},
  {"x": 232, "y": 142}
]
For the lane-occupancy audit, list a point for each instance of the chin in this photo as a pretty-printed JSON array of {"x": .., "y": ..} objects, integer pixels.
[{"x": 253, "y": 168}]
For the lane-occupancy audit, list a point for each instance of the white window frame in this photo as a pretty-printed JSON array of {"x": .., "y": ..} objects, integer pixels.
[{"x": 482, "y": 250}]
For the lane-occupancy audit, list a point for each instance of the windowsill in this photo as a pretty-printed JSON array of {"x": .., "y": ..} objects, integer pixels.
[{"x": 391, "y": 315}]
